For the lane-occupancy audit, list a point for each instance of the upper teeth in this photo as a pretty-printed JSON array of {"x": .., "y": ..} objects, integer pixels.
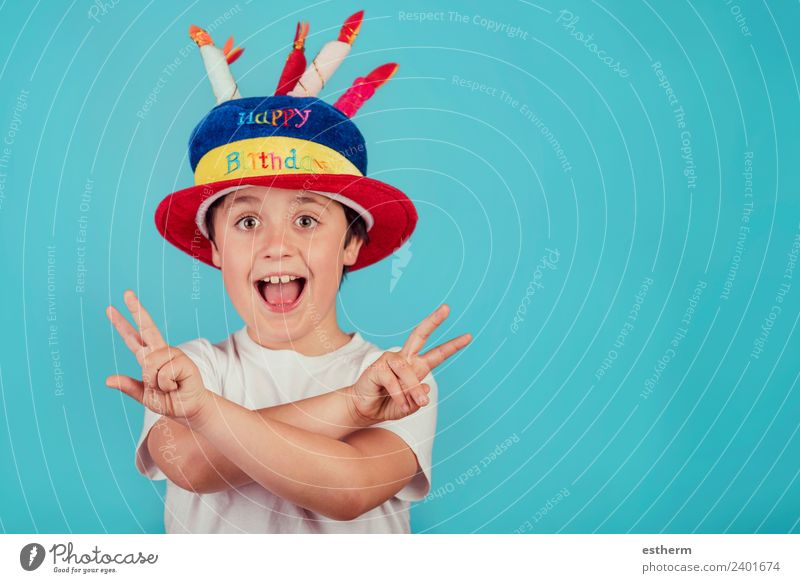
[{"x": 280, "y": 278}]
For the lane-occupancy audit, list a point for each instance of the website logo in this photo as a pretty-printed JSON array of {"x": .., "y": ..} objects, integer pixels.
[{"x": 31, "y": 556}]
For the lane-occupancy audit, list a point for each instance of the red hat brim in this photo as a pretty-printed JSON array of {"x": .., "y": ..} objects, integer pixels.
[{"x": 393, "y": 213}]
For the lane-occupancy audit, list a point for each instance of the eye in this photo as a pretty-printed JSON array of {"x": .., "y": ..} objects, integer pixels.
[
  {"x": 306, "y": 221},
  {"x": 248, "y": 223}
]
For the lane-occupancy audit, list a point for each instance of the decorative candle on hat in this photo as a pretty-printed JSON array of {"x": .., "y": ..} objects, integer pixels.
[
  {"x": 286, "y": 141},
  {"x": 217, "y": 63},
  {"x": 363, "y": 88},
  {"x": 328, "y": 60},
  {"x": 295, "y": 62}
]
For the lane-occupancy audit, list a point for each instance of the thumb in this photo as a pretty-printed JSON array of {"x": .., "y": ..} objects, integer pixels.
[{"x": 131, "y": 387}]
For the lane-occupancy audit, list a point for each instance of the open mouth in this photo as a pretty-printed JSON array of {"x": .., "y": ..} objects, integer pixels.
[{"x": 281, "y": 293}]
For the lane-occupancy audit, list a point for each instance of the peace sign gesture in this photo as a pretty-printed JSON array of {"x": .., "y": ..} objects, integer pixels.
[
  {"x": 171, "y": 384},
  {"x": 390, "y": 387}
]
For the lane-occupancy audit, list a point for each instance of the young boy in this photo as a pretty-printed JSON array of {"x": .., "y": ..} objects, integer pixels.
[{"x": 290, "y": 425}]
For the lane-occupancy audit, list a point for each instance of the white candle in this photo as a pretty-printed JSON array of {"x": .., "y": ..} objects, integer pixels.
[
  {"x": 322, "y": 67},
  {"x": 219, "y": 73}
]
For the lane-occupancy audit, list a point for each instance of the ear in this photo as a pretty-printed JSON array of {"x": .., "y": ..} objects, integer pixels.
[
  {"x": 216, "y": 258},
  {"x": 351, "y": 251}
]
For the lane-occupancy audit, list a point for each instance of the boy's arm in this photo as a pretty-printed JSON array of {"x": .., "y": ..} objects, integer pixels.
[
  {"x": 338, "y": 479},
  {"x": 335, "y": 478},
  {"x": 204, "y": 469}
]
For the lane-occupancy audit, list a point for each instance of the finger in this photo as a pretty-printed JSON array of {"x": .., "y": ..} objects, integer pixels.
[
  {"x": 422, "y": 332},
  {"x": 389, "y": 382},
  {"x": 131, "y": 387},
  {"x": 166, "y": 377},
  {"x": 408, "y": 380},
  {"x": 178, "y": 368},
  {"x": 148, "y": 330},
  {"x": 436, "y": 356},
  {"x": 156, "y": 401},
  {"x": 127, "y": 332},
  {"x": 420, "y": 367},
  {"x": 419, "y": 395},
  {"x": 152, "y": 365}
]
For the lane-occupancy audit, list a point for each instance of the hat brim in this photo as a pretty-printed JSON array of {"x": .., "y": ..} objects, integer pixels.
[{"x": 393, "y": 213}]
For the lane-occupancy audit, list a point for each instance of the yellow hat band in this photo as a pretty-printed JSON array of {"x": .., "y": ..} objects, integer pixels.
[{"x": 270, "y": 156}]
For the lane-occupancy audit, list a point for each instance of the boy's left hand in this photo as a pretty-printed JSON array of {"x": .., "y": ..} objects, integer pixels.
[
  {"x": 171, "y": 385},
  {"x": 391, "y": 387}
]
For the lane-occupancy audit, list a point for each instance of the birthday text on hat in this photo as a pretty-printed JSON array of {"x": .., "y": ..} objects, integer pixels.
[
  {"x": 273, "y": 161},
  {"x": 275, "y": 117}
]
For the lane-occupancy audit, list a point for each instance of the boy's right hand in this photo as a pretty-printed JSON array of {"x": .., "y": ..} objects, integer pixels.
[
  {"x": 171, "y": 384},
  {"x": 390, "y": 387}
]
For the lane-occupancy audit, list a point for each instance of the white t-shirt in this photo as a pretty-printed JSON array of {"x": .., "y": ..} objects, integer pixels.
[{"x": 255, "y": 377}]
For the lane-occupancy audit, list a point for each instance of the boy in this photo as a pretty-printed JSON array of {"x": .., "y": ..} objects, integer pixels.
[{"x": 290, "y": 425}]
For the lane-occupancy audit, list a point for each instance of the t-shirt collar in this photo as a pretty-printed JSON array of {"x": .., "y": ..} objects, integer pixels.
[{"x": 261, "y": 354}]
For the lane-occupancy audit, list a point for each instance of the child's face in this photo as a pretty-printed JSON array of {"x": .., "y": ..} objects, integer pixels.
[{"x": 261, "y": 232}]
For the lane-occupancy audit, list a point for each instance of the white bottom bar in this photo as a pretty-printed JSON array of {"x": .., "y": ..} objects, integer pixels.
[{"x": 385, "y": 558}]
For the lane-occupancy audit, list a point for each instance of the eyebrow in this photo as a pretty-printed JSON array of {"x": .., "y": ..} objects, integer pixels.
[
  {"x": 247, "y": 198},
  {"x": 307, "y": 199}
]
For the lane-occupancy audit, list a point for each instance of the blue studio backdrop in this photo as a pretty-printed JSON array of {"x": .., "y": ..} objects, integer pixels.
[{"x": 608, "y": 201}]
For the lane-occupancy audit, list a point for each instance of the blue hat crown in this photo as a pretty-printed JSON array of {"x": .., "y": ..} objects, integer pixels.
[{"x": 303, "y": 118}]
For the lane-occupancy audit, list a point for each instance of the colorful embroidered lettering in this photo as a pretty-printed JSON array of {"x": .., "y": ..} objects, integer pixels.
[
  {"x": 274, "y": 161},
  {"x": 293, "y": 159},
  {"x": 305, "y": 117},
  {"x": 275, "y": 117},
  {"x": 233, "y": 157},
  {"x": 272, "y": 158}
]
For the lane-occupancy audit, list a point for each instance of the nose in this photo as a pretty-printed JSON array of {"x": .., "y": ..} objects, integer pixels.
[{"x": 275, "y": 241}]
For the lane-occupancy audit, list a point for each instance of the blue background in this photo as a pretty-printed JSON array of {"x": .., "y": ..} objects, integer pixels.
[{"x": 510, "y": 142}]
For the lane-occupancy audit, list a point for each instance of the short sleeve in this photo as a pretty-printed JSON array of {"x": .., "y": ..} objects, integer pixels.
[
  {"x": 418, "y": 430},
  {"x": 202, "y": 353}
]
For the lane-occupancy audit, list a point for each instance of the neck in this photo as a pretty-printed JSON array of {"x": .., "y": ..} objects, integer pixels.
[{"x": 324, "y": 337}]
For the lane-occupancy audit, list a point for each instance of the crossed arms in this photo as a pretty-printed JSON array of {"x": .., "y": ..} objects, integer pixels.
[
  {"x": 321, "y": 453},
  {"x": 304, "y": 446}
]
